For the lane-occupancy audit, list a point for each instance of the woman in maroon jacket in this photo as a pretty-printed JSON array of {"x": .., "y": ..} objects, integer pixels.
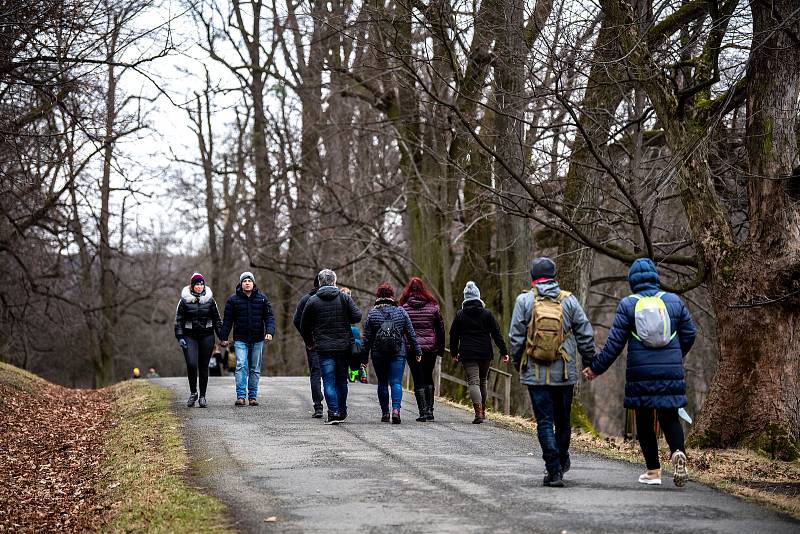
[{"x": 423, "y": 309}]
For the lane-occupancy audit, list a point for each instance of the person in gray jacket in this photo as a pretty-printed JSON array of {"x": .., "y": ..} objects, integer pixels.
[{"x": 551, "y": 385}]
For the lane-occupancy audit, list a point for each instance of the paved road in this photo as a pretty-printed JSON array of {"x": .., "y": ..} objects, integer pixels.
[{"x": 446, "y": 476}]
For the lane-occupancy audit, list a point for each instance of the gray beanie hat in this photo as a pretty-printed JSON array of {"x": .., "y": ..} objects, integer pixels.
[
  {"x": 471, "y": 292},
  {"x": 247, "y": 274}
]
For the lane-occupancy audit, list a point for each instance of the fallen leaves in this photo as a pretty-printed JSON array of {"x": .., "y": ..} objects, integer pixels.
[{"x": 52, "y": 448}]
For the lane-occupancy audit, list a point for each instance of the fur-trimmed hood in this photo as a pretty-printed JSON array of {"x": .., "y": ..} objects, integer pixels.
[{"x": 188, "y": 297}]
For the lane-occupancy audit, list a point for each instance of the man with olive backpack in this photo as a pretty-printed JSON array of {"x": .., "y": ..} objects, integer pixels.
[{"x": 548, "y": 330}]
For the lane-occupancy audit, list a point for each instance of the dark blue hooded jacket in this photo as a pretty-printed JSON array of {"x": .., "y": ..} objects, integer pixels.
[{"x": 654, "y": 377}]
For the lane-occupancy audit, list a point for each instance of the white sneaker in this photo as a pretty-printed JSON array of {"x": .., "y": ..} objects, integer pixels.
[
  {"x": 651, "y": 477},
  {"x": 679, "y": 472}
]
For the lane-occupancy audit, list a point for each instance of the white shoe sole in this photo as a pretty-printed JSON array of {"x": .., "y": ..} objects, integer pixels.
[
  {"x": 650, "y": 481},
  {"x": 679, "y": 472}
]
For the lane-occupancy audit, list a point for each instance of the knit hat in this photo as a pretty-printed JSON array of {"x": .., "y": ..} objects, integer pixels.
[
  {"x": 196, "y": 279},
  {"x": 245, "y": 275},
  {"x": 471, "y": 292},
  {"x": 543, "y": 268}
]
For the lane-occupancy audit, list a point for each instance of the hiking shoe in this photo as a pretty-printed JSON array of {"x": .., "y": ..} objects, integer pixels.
[
  {"x": 651, "y": 477},
  {"x": 333, "y": 419},
  {"x": 203, "y": 403},
  {"x": 317, "y": 413},
  {"x": 395, "y": 417},
  {"x": 192, "y": 400},
  {"x": 679, "y": 472},
  {"x": 239, "y": 402},
  {"x": 385, "y": 418},
  {"x": 554, "y": 479},
  {"x": 252, "y": 402}
]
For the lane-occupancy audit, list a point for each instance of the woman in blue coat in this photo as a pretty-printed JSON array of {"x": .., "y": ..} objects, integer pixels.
[
  {"x": 388, "y": 335},
  {"x": 654, "y": 379}
]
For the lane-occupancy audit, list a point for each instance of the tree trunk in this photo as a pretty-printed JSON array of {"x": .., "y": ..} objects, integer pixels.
[
  {"x": 755, "y": 396},
  {"x": 604, "y": 93},
  {"x": 104, "y": 365}
]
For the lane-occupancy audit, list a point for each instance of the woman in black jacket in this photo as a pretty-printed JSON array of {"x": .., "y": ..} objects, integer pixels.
[
  {"x": 471, "y": 335},
  {"x": 196, "y": 322}
]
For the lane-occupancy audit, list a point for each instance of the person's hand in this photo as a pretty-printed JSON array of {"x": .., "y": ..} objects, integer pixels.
[
  {"x": 268, "y": 338},
  {"x": 455, "y": 358},
  {"x": 224, "y": 343},
  {"x": 310, "y": 348},
  {"x": 418, "y": 357},
  {"x": 182, "y": 342},
  {"x": 505, "y": 358},
  {"x": 588, "y": 374}
]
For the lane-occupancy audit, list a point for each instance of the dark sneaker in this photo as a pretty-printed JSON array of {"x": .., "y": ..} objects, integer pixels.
[
  {"x": 385, "y": 418},
  {"x": 252, "y": 402},
  {"x": 565, "y": 465},
  {"x": 192, "y": 400},
  {"x": 203, "y": 403},
  {"x": 342, "y": 415},
  {"x": 395, "y": 417},
  {"x": 333, "y": 419},
  {"x": 240, "y": 402},
  {"x": 317, "y": 413},
  {"x": 554, "y": 480}
]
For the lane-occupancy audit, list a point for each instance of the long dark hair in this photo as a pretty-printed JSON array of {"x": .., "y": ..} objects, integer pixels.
[{"x": 417, "y": 288}]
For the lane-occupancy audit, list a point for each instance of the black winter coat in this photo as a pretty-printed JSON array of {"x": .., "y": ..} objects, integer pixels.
[
  {"x": 326, "y": 319},
  {"x": 196, "y": 315},
  {"x": 298, "y": 313},
  {"x": 472, "y": 332},
  {"x": 250, "y": 317}
]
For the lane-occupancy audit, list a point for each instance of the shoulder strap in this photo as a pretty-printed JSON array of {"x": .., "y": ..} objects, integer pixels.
[
  {"x": 563, "y": 295},
  {"x": 636, "y": 296},
  {"x": 660, "y": 294}
]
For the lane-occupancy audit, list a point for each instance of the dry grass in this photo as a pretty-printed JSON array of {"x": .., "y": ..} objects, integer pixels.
[
  {"x": 145, "y": 465},
  {"x": 740, "y": 472}
]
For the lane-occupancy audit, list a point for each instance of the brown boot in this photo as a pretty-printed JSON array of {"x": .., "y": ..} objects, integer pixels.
[{"x": 478, "y": 410}]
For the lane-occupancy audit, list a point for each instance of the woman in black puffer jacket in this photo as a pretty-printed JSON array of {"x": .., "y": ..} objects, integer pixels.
[
  {"x": 471, "y": 335},
  {"x": 196, "y": 322}
]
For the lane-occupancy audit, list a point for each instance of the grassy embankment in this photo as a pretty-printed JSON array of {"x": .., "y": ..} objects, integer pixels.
[
  {"x": 145, "y": 465},
  {"x": 140, "y": 477}
]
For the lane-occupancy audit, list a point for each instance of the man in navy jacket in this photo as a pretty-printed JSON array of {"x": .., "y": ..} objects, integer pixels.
[{"x": 249, "y": 313}]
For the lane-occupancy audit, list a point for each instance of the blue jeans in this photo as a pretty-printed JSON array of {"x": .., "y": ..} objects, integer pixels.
[
  {"x": 248, "y": 368},
  {"x": 334, "y": 381},
  {"x": 390, "y": 373},
  {"x": 552, "y": 406}
]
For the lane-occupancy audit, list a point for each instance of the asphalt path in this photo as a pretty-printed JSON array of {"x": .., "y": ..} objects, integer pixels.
[{"x": 275, "y": 461}]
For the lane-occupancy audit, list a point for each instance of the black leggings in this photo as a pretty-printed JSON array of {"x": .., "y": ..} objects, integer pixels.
[
  {"x": 197, "y": 354},
  {"x": 670, "y": 425},
  {"x": 422, "y": 372}
]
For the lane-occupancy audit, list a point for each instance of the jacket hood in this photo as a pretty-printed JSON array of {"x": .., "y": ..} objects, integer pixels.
[
  {"x": 205, "y": 296},
  {"x": 328, "y": 292},
  {"x": 472, "y": 304},
  {"x": 643, "y": 275},
  {"x": 549, "y": 289},
  {"x": 418, "y": 302}
]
